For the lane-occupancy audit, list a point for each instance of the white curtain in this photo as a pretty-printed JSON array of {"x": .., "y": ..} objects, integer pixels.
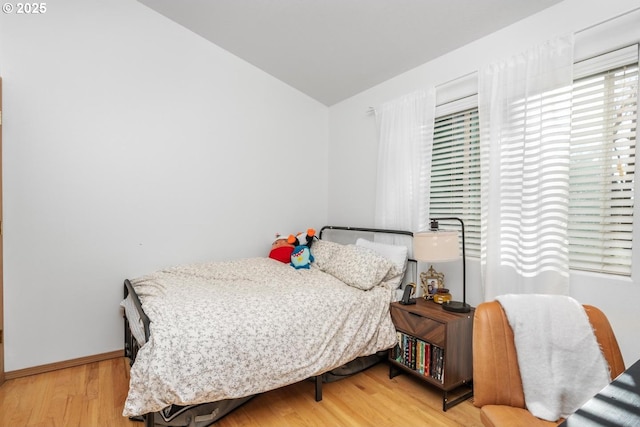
[
  {"x": 525, "y": 114},
  {"x": 405, "y": 130}
]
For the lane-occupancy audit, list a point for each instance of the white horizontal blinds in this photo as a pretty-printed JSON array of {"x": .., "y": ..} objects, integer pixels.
[
  {"x": 455, "y": 174},
  {"x": 603, "y": 144}
]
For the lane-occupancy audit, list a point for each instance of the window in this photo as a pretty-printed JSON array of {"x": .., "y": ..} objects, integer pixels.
[
  {"x": 603, "y": 141},
  {"x": 455, "y": 174}
]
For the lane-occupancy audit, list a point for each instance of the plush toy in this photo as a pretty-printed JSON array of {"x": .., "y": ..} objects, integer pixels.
[
  {"x": 301, "y": 257},
  {"x": 281, "y": 249},
  {"x": 294, "y": 249},
  {"x": 305, "y": 239}
]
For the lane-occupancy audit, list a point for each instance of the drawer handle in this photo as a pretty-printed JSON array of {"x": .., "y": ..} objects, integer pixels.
[{"x": 415, "y": 314}]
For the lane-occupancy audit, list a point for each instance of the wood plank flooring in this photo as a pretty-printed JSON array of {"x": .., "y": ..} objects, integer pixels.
[{"x": 93, "y": 395}]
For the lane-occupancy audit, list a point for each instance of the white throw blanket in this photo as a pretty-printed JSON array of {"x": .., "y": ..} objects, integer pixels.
[{"x": 560, "y": 361}]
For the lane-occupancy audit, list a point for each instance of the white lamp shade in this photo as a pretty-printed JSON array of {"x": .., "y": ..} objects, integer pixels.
[{"x": 436, "y": 246}]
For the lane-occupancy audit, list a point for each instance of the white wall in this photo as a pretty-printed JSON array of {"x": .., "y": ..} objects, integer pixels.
[
  {"x": 131, "y": 144},
  {"x": 353, "y": 144}
]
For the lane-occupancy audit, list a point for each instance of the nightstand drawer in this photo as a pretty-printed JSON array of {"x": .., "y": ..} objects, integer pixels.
[{"x": 419, "y": 326}]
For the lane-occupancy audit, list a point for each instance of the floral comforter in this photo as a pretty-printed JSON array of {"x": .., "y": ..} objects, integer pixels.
[{"x": 230, "y": 329}]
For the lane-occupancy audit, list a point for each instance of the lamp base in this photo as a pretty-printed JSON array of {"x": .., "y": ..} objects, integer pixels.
[{"x": 456, "y": 306}]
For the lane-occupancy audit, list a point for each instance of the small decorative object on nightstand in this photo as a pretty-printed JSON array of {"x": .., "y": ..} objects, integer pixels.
[
  {"x": 435, "y": 346},
  {"x": 442, "y": 296},
  {"x": 431, "y": 281}
]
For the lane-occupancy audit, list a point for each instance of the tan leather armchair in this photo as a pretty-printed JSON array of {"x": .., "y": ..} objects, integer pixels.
[{"x": 496, "y": 376}]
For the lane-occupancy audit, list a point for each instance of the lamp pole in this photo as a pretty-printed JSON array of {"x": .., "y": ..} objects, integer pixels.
[{"x": 456, "y": 306}]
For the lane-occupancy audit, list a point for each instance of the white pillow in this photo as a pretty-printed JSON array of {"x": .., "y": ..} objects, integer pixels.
[
  {"x": 135, "y": 321},
  {"x": 396, "y": 254}
]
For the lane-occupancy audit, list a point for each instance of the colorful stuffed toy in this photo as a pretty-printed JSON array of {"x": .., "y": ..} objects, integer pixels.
[
  {"x": 281, "y": 249},
  {"x": 295, "y": 249},
  {"x": 301, "y": 257},
  {"x": 305, "y": 239}
]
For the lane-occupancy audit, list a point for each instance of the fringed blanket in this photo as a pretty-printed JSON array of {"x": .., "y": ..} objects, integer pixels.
[{"x": 560, "y": 361}]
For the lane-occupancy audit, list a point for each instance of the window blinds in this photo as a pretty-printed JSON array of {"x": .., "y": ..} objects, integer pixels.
[
  {"x": 603, "y": 141},
  {"x": 602, "y": 163},
  {"x": 455, "y": 172}
]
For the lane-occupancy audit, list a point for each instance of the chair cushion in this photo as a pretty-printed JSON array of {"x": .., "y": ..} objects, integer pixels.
[{"x": 502, "y": 415}]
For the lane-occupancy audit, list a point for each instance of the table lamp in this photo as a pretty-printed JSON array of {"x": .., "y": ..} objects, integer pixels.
[{"x": 438, "y": 245}]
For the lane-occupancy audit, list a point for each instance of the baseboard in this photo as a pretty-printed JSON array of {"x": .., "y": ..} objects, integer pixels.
[{"x": 62, "y": 365}]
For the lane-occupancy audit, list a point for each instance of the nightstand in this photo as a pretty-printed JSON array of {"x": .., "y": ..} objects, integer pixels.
[{"x": 434, "y": 345}]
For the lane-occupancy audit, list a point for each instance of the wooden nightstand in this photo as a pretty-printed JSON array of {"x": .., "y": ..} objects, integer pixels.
[{"x": 435, "y": 346}]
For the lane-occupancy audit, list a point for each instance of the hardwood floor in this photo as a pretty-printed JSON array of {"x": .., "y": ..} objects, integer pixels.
[
  {"x": 93, "y": 395},
  {"x": 87, "y": 395}
]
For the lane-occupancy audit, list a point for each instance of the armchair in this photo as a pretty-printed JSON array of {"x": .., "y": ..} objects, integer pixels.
[{"x": 496, "y": 376}]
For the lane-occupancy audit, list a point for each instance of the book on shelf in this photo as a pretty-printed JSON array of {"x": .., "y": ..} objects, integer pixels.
[
  {"x": 437, "y": 363},
  {"x": 398, "y": 351},
  {"x": 418, "y": 355}
]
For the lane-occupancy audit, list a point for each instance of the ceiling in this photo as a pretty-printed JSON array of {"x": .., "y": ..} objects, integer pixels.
[{"x": 334, "y": 49}]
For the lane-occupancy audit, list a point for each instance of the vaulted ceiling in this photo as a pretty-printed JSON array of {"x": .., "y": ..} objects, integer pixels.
[{"x": 334, "y": 49}]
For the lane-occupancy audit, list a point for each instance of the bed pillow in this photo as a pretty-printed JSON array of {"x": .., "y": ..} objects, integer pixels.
[
  {"x": 323, "y": 251},
  {"x": 135, "y": 321},
  {"x": 397, "y": 254},
  {"x": 357, "y": 266}
]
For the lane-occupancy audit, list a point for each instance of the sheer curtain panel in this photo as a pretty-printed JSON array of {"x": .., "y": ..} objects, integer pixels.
[
  {"x": 525, "y": 126},
  {"x": 404, "y": 157}
]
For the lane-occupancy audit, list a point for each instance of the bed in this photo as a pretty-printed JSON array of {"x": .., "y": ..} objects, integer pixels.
[{"x": 213, "y": 335}]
